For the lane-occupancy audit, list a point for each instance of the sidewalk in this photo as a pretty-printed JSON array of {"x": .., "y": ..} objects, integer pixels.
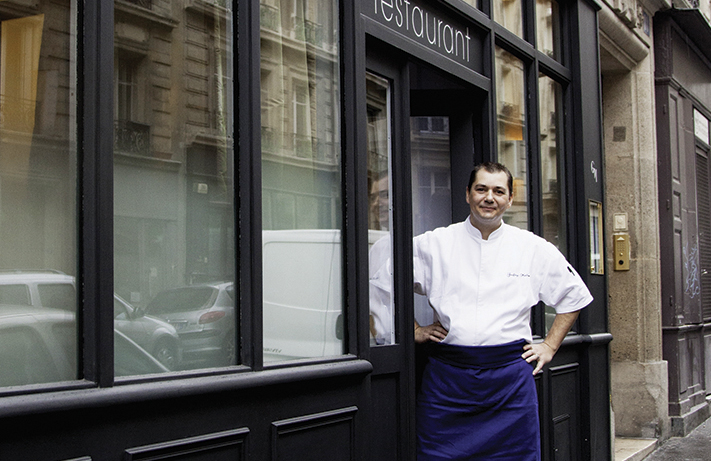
[{"x": 694, "y": 447}]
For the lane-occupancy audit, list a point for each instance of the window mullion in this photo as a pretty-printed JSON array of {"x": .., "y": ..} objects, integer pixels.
[{"x": 95, "y": 280}]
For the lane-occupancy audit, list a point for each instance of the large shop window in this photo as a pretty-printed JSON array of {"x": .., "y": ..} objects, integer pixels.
[
  {"x": 38, "y": 174},
  {"x": 380, "y": 229},
  {"x": 174, "y": 240},
  {"x": 541, "y": 163},
  {"x": 550, "y": 113},
  {"x": 509, "y": 13},
  {"x": 548, "y": 28},
  {"x": 301, "y": 179},
  {"x": 512, "y": 131}
]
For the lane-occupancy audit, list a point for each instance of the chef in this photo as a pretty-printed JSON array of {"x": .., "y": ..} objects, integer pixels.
[{"x": 482, "y": 277}]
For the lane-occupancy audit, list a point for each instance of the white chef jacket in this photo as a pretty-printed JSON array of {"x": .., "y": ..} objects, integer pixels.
[
  {"x": 482, "y": 291},
  {"x": 380, "y": 296}
]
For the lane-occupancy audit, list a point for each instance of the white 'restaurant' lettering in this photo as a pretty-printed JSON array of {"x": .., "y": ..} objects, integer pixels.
[{"x": 432, "y": 30}]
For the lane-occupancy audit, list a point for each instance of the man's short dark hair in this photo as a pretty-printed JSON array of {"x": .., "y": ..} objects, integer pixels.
[{"x": 491, "y": 167}]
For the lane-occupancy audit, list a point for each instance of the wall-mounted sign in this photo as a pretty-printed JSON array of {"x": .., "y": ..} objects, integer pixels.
[
  {"x": 597, "y": 264},
  {"x": 701, "y": 126},
  {"x": 426, "y": 26}
]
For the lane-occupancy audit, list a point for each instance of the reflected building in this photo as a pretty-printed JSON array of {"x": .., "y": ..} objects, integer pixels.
[
  {"x": 173, "y": 146},
  {"x": 299, "y": 75},
  {"x": 38, "y": 144}
]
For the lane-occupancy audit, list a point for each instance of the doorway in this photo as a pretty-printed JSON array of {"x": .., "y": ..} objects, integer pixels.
[{"x": 424, "y": 135}]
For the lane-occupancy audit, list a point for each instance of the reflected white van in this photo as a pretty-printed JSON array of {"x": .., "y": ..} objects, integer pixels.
[{"x": 303, "y": 299}]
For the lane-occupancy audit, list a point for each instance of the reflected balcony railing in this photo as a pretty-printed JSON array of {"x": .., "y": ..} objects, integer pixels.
[
  {"x": 148, "y": 4},
  {"x": 132, "y": 138},
  {"x": 302, "y": 29},
  {"x": 268, "y": 140},
  {"x": 308, "y": 31},
  {"x": 294, "y": 145},
  {"x": 269, "y": 17}
]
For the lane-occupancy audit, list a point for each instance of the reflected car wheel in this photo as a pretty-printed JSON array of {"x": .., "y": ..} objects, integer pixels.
[{"x": 165, "y": 353}]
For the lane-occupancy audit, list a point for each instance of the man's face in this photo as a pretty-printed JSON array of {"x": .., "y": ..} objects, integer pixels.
[
  {"x": 380, "y": 203},
  {"x": 488, "y": 199}
]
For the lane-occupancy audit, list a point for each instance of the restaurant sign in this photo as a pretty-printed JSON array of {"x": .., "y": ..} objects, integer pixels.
[{"x": 425, "y": 26}]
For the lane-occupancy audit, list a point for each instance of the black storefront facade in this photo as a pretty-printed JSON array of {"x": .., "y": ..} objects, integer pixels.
[{"x": 157, "y": 182}]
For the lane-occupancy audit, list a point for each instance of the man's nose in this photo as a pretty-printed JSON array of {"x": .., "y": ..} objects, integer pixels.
[{"x": 489, "y": 195}]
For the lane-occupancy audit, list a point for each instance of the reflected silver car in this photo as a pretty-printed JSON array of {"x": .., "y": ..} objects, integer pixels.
[
  {"x": 46, "y": 288},
  {"x": 204, "y": 317},
  {"x": 39, "y": 345},
  {"x": 57, "y": 290},
  {"x": 158, "y": 337}
]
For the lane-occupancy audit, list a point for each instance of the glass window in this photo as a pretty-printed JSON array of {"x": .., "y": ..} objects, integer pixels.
[
  {"x": 18, "y": 295},
  {"x": 301, "y": 179},
  {"x": 126, "y": 86},
  {"x": 173, "y": 187},
  {"x": 550, "y": 102},
  {"x": 382, "y": 315},
  {"x": 550, "y": 113},
  {"x": 431, "y": 186},
  {"x": 511, "y": 131},
  {"x": 40, "y": 348},
  {"x": 38, "y": 176},
  {"x": 58, "y": 296},
  {"x": 548, "y": 28},
  {"x": 509, "y": 13}
]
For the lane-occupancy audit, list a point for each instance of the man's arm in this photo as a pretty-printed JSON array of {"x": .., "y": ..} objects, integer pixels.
[{"x": 543, "y": 352}]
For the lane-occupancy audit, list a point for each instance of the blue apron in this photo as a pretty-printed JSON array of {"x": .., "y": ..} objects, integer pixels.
[{"x": 477, "y": 403}]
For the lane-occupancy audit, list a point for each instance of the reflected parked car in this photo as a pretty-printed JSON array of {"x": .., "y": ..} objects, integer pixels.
[
  {"x": 130, "y": 359},
  {"x": 46, "y": 288},
  {"x": 57, "y": 290},
  {"x": 155, "y": 335},
  {"x": 39, "y": 345},
  {"x": 204, "y": 317}
]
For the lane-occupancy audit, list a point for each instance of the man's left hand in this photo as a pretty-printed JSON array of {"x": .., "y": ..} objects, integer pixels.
[{"x": 541, "y": 353}]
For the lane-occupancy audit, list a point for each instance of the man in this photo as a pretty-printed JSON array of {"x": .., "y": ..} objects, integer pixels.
[
  {"x": 380, "y": 202},
  {"x": 478, "y": 398},
  {"x": 382, "y": 330}
]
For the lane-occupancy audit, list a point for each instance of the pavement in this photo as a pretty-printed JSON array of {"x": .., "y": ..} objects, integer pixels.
[{"x": 694, "y": 447}]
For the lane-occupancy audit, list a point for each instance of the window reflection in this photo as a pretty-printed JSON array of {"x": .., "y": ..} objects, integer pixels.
[
  {"x": 550, "y": 102},
  {"x": 431, "y": 186},
  {"x": 550, "y": 113},
  {"x": 548, "y": 28},
  {"x": 511, "y": 131},
  {"x": 382, "y": 314},
  {"x": 301, "y": 181},
  {"x": 173, "y": 187},
  {"x": 38, "y": 335},
  {"x": 509, "y": 13}
]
